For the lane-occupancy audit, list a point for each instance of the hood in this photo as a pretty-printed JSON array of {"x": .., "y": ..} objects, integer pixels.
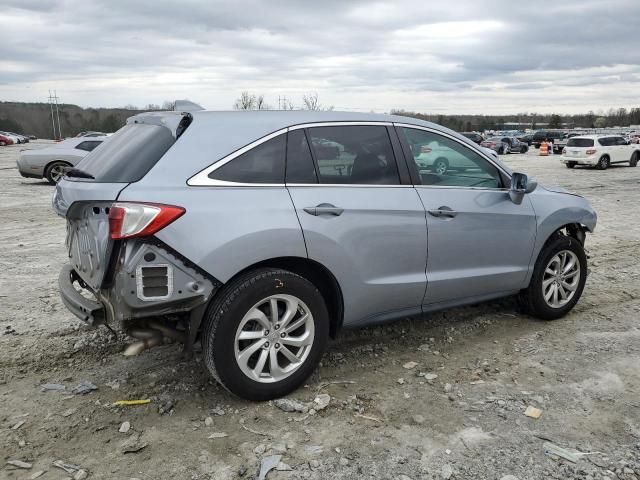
[{"x": 558, "y": 189}]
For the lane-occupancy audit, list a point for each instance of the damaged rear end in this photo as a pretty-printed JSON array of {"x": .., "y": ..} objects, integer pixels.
[{"x": 118, "y": 270}]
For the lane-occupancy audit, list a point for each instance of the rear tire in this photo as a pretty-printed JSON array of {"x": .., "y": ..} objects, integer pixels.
[
  {"x": 634, "y": 159},
  {"x": 570, "y": 164},
  {"x": 603, "y": 163},
  {"x": 440, "y": 166},
  {"x": 55, "y": 171},
  {"x": 533, "y": 298},
  {"x": 236, "y": 312}
]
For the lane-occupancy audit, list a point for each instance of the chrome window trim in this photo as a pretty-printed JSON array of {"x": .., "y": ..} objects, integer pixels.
[
  {"x": 201, "y": 179},
  {"x": 451, "y": 137},
  {"x": 340, "y": 124}
]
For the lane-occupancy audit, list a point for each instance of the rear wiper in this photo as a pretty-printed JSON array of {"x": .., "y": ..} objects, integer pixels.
[{"x": 76, "y": 172}]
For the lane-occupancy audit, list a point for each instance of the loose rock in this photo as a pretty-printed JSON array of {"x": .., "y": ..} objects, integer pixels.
[
  {"x": 446, "y": 472},
  {"x": 19, "y": 464},
  {"x": 124, "y": 428},
  {"x": 288, "y": 405}
]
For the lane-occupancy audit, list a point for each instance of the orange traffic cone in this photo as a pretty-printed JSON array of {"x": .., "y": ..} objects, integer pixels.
[{"x": 544, "y": 149}]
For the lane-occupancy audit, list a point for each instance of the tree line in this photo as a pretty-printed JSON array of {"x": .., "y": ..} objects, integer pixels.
[
  {"x": 35, "y": 118},
  {"x": 467, "y": 123}
]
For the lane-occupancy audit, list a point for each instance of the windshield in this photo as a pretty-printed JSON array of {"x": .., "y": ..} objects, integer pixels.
[
  {"x": 127, "y": 155},
  {"x": 580, "y": 142}
]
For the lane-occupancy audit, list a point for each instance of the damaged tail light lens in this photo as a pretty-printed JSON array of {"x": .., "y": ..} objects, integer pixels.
[
  {"x": 564, "y": 150},
  {"x": 134, "y": 219}
]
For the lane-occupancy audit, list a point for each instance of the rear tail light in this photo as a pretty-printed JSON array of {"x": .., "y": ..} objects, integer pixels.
[
  {"x": 591, "y": 151},
  {"x": 425, "y": 150},
  {"x": 133, "y": 219},
  {"x": 564, "y": 150}
]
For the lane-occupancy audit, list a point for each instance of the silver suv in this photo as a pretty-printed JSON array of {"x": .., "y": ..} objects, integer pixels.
[{"x": 264, "y": 233}]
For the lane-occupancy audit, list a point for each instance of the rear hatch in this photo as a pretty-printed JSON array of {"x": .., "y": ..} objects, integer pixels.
[
  {"x": 85, "y": 194},
  {"x": 577, "y": 147}
]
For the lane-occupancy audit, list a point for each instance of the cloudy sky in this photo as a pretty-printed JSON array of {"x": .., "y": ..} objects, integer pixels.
[{"x": 429, "y": 56}]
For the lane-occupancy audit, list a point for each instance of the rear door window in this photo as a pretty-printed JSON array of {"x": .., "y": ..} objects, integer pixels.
[
  {"x": 354, "y": 154},
  {"x": 127, "y": 155},
  {"x": 580, "y": 142},
  {"x": 88, "y": 146},
  {"x": 606, "y": 141},
  {"x": 262, "y": 164}
]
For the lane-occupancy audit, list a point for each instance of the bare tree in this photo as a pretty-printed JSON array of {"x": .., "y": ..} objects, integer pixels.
[
  {"x": 310, "y": 102},
  {"x": 151, "y": 106},
  {"x": 288, "y": 105},
  {"x": 169, "y": 105},
  {"x": 130, "y": 106},
  {"x": 261, "y": 104},
  {"x": 247, "y": 101}
]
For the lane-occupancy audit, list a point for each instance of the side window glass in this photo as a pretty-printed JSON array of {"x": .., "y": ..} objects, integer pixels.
[
  {"x": 605, "y": 142},
  {"x": 262, "y": 164},
  {"x": 87, "y": 146},
  {"x": 359, "y": 154},
  {"x": 300, "y": 167},
  {"x": 444, "y": 162}
]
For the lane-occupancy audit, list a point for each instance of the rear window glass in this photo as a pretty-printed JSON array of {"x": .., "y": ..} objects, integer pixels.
[
  {"x": 127, "y": 155},
  {"x": 580, "y": 142}
]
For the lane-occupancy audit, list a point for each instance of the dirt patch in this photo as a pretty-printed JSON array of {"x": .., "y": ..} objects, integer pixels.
[{"x": 491, "y": 362}]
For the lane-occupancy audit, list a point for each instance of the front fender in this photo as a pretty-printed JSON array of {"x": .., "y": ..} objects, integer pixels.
[{"x": 554, "y": 211}]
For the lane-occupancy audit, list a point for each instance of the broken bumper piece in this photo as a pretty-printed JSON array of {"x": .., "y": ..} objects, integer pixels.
[{"x": 87, "y": 310}]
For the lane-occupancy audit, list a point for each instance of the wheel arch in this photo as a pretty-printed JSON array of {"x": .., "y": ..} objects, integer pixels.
[{"x": 317, "y": 274}]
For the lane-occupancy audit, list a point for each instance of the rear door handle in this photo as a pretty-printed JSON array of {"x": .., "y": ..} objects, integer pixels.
[
  {"x": 443, "y": 212},
  {"x": 324, "y": 209}
]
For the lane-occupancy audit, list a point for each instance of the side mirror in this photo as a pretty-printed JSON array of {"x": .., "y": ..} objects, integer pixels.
[{"x": 520, "y": 185}]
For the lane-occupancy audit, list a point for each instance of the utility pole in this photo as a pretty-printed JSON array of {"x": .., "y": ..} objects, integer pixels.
[
  {"x": 53, "y": 99},
  {"x": 55, "y": 96},
  {"x": 53, "y": 121}
]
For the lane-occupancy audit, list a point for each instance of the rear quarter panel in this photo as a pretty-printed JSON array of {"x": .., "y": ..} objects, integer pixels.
[{"x": 225, "y": 229}]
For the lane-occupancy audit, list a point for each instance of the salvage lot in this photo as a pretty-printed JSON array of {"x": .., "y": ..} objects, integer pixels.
[{"x": 458, "y": 413}]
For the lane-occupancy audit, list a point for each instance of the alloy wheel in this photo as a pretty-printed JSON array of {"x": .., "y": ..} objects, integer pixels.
[
  {"x": 57, "y": 172},
  {"x": 274, "y": 338},
  {"x": 441, "y": 168},
  {"x": 561, "y": 279}
]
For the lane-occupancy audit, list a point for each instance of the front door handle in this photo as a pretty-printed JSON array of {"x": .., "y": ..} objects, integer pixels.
[
  {"x": 324, "y": 209},
  {"x": 443, "y": 212}
]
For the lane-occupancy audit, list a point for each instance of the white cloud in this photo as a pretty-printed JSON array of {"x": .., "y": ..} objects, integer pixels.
[{"x": 463, "y": 57}]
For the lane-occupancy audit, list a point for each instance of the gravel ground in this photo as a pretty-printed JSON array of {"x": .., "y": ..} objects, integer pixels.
[{"x": 459, "y": 413}]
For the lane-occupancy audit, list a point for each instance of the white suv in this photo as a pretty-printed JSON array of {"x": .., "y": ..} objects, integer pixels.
[{"x": 599, "y": 151}]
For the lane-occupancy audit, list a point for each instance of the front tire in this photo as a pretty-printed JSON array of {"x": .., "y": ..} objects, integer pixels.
[
  {"x": 265, "y": 333},
  {"x": 634, "y": 159},
  {"x": 558, "y": 279}
]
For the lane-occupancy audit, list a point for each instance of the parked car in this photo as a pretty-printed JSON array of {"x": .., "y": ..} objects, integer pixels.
[
  {"x": 525, "y": 138},
  {"x": 246, "y": 231},
  {"x": 474, "y": 137},
  {"x": 5, "y": 140},
  {"x": 599, "y": 151},
  {"x": 14, "y": 138},
  {"x": 91, "y": 134},
  {"x": 504, "y": 145},
  {"x": 557, "y": 137},
  {"x": 52, "y": 162}
]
